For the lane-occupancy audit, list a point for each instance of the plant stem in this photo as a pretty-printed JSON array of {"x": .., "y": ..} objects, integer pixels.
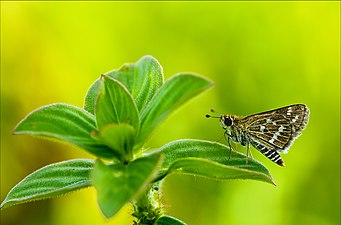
[{"x": 148, "y": 208}]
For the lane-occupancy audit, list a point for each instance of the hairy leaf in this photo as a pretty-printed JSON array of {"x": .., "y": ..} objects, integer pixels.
[
  {"x": 172, "y": 94},
  {"x": 117, "y": 184},
  {"x": 209, "y": 159},
  {"x": 142, "y": 79},
  {"x": 51, "y": 181},
  {"x": 64, "y": 122},
  {"x": 119, "y": 137},
  {"x": 169, "y": 220},
  {"x": 91, "y": 97},
  {"x": 115, "y": 104}
]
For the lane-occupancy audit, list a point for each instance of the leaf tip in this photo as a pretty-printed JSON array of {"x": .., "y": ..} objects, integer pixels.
[
  {"x": 18, "y": 128},
  {"x": 147, "y": 57},
  {"x": 2, "y": 205},
  {"x": 273, "y": 182},
  {"x": 103, "y": 77},
  {"x": 14, "y": 131}
]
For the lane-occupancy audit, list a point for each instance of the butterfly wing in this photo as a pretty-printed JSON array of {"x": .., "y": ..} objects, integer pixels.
[
  {"x": 274, "y": 131},
  {"x": 267, "y": 150}
]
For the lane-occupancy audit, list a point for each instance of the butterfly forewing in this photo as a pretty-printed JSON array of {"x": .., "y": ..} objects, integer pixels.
[{"x": 274, "y": 131}]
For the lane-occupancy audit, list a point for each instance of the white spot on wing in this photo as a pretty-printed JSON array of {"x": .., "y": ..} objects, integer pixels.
[
  {"x": 275, "y": 135},
  {"x": 296, "y": 117},
  {"x": 281, "y": 128},
  {"x": 262, "y": 128}
]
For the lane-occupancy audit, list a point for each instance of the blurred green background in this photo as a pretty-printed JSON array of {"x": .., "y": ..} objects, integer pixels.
[{"x": 261, "y": 55}]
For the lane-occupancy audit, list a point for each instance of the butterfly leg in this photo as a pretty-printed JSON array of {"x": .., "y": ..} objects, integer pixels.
[
  {"x": 247, "y": 153},
  {"x": 251, "y": 157},
  {"x": 228, "y": 142}
]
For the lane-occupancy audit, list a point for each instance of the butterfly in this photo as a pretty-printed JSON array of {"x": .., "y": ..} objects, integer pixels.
[{"x": 271, "y": 132}]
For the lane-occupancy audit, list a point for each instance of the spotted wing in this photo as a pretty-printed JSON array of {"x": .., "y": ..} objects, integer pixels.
[
  {"x": 267, "y": 150},
  {"x": 274, "y": 131}
]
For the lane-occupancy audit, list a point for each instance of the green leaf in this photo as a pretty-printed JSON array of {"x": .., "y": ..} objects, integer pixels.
[
  {"x": 51, "y": 181},
  {"x": 142, "y": 79},
  {"x": 63, "y": 122},
  {"x": 91, "y": 97},
  {"x": 117, "y": 184},
  {"x": 119, "y": 137},
  {"x": 115, "y": 104},
  {"x": 209, "y": 159},
  {"x": 172, "y": 94},
  {"x": 169, "y": 220}
]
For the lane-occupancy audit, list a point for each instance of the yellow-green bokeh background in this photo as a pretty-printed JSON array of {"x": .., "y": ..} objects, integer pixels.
[{"x": 261, "y": 55}]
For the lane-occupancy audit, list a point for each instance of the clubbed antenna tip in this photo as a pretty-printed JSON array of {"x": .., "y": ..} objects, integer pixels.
[{"x": 208, "y": 116}]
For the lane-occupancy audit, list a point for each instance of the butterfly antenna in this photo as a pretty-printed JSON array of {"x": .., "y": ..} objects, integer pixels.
[{"x": 213, "y": 111}]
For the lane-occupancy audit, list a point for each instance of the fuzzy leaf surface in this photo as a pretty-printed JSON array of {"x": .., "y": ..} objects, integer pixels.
[
  {"x": 66, "y": 123},
  {"x": 142, "y": 79},
  {"x": 117, "y": 184},
  {"x": 51, "y": 181},
  {"x": 115, "y": 105},
  {"x": 91, "y": 97},
  {"x": 169, "y": 220},
  {"x": 209, "y": 159},
  {"x": 119, "y": 137},
  {"x": 172, "y": 94}
]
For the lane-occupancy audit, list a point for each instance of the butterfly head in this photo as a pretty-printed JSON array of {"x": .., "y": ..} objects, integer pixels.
[{"x": 225, "y": 120}]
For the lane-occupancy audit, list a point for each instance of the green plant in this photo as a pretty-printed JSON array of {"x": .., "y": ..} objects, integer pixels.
[{"x": 122, "y": 108}]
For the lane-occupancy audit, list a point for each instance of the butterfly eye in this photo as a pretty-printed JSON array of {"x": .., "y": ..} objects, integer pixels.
[{"x": 228, "y": 121}]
